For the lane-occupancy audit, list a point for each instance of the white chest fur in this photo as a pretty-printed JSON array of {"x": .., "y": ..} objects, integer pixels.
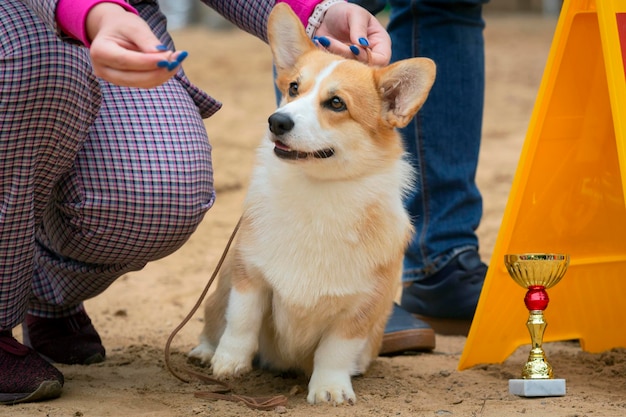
[{"x": 312, "y": 238}]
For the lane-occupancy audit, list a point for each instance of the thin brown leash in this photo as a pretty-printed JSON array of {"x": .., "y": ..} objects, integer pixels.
[{"x": 258, "y": 403}]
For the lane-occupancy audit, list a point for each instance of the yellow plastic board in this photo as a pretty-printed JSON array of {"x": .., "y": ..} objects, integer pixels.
[{"x": 568, "y": 194}]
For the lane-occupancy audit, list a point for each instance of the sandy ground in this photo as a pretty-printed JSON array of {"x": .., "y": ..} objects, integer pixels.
[{"x": 136, "y": 315}]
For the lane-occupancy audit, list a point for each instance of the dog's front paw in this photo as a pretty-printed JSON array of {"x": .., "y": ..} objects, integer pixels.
[
  {"x": 330, "y": 387},
  {"x": 202, "y": 353},
  {"x": 229, "y": 364}
]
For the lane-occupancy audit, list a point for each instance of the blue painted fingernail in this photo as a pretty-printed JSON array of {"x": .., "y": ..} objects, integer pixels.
[
  {"x": 163, "y": 64},
  {"x": 323, "y": 40},
  {"x": 354, "y": 50},
  {"x": 173, "y": 65},
  {"x": 161, "y": 48},
  {"x": 363, "y": 42},
  {"x": 182, "y": 56}
]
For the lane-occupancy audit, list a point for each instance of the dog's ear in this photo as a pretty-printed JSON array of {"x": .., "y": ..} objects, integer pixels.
[
  {"x": 287, "y": 37},
  {"x": 404, "y": 87}
]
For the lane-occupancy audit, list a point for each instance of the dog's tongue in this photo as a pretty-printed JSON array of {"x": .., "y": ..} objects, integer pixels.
[{"x": 281, "y": 145}]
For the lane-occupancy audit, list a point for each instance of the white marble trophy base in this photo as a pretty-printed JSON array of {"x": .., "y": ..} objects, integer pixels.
[{"x": 537, "y": 387}]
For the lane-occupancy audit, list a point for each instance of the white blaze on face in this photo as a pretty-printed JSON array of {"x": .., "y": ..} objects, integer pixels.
[{"x": 304, "y": 111}]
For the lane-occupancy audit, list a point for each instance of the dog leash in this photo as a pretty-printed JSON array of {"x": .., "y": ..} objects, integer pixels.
[{"x": 257, "y": 403}]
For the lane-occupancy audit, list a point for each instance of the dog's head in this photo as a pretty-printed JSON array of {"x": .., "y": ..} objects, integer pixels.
[{"x": 338, "y": 117}]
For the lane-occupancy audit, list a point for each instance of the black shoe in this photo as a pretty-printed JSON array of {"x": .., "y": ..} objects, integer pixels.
[
  {"x": 70, "y": 340},
  {"x": 449, "y": 295},
  {"x": 24, "y": 375},
  {"x": 404, "y": 333}
]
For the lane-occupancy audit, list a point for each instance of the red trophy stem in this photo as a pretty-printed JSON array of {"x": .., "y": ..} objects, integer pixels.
[{"x": 536, "y": 298}]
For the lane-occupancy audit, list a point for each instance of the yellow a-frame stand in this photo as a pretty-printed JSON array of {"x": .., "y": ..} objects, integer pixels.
[{"x": 568, "y": 194}]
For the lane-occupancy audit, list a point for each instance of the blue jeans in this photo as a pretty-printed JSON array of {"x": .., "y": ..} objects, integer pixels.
[{"x": 443, "y": 140}]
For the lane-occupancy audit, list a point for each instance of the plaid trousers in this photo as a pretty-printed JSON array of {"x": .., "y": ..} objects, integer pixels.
[{"x": 95, "y": 180}]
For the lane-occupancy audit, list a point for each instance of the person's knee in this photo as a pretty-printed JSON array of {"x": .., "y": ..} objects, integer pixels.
[
  {"x": 159, "y": 221},
  {"x": 122, "y": 226}
]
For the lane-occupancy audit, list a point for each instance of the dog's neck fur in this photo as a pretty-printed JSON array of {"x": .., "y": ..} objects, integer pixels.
[{"x": 325, "y": 211}]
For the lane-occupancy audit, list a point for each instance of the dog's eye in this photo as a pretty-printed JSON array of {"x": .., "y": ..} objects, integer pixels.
[
  {"x": 293, "y": 89},
  {"x": 336, "y": 104}
]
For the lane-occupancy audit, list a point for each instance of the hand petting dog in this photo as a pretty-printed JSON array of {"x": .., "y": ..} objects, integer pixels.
[{"x": 348, "y": 30}]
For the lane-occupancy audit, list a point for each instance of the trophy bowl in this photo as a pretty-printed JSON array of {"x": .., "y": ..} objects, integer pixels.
[{"x": 536, "y": 269}]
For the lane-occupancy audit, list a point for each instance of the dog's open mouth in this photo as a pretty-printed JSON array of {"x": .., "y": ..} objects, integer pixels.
[{"x": 285, "y": 152}]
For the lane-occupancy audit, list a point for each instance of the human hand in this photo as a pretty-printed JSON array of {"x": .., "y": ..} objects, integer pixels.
[
  {"x": 125, "y": 52},
  {"x": 352, "y": 32}
]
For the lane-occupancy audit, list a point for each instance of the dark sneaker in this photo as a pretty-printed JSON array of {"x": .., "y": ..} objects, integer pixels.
[
  {"x": 70, "y": 340},
  {"x": 24, "y": 375},
  {"x": 449, "y": 295},
  {"x": 404, "y": 333}
]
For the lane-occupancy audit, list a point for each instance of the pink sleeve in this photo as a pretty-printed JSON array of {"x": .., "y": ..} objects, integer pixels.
[
  {"x": 302, "y": 8},
  {"x": 71, "y": 16}
]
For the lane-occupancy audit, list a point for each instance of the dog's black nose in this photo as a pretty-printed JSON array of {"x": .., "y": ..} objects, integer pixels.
[{"x": 280, "y": 123}]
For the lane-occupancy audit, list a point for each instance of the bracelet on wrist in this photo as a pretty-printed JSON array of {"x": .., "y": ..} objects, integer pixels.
[{"x": 315, "y": 20}]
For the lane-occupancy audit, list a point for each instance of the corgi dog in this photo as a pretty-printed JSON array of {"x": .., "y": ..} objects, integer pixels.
[{"x": 311, "y": 278}]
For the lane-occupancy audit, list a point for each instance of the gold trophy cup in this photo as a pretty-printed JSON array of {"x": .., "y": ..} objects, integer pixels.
[{"x": 537, "y": 272}]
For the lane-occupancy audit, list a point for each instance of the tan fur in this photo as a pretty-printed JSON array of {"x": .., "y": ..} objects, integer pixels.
[{"x": 311, "y": 278}]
